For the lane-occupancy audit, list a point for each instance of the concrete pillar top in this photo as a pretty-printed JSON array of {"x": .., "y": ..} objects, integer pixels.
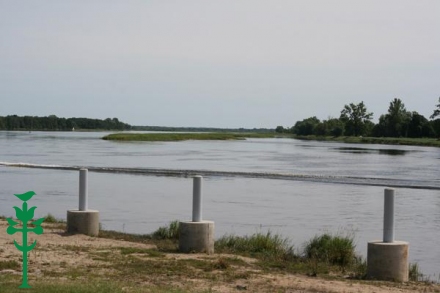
[
  {"x": 395, "y": 243},
  {"x": 197, "y": 223},
  {"x": 85, "y": 212}
]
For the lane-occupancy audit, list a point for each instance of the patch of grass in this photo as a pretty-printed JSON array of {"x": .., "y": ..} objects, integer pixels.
[
  {"x": 139, "y": 238},
  {"x": 414, "y": 273},
  {"x": 359, "y": 268},
  {"x": 258, "y": 245},
  {"x": 162, "y": 270},
  {"x": 334, "y": 250},
  {"x": 39, "y": 286},
  {"x": 165, "y": 245},
  {"x": 76, "y": 248},
  {"x": 50, "y": 219},
  {"x": 9, "y": 265},
  {"x": 10, "y": 283},
  {"x": 159, "y": 268},
  {"x": 167, "y": 232},
  {"x": 185, "y": 136},
  {"x": 135, "y": 250}
]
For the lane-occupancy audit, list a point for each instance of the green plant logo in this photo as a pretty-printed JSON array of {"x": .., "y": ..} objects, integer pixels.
[{"x": 25, "y": 215}]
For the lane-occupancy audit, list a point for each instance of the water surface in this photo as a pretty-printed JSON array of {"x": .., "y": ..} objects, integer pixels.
[{"x": 318, "y": 186}]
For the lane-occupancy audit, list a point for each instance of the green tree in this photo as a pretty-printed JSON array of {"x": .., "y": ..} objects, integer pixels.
[
  {"x": 436, "y": 111},
  {"x": 335, "y": 127},
  {"x": 332, "y": 126},
  {"x": 397, "y": 119},
  {"x": 419, "y": 126},
  {"x": 279, "y": 129},
  {"x": 306, "y": 126},
  {"x": 356, "y": 118}
]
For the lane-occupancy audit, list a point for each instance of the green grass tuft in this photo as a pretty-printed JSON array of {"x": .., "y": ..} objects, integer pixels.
[
  {"x": 49, "y": 218},
  {"x": 258, "y": 245},
  {"x": 9, "y": 265},
  {"x": 334, "y": 250},
  {"x": 109, "y": 234},
  {"x": 414, "y": 273},
  {"x": 167, "y": 232}
]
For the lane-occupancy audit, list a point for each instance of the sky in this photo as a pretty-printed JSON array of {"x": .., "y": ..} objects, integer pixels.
[{"x": 228, "y": 63}]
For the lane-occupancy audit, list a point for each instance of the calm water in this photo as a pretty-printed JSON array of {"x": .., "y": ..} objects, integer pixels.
[{"x": 320, "y": 186}]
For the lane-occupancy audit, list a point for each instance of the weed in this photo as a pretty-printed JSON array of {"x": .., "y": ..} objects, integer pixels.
[
  {"x": 142, "y": 238},
  {"x": 414, "y": 272},
  {"x": 168, "y": 232},
  {"x": 132, "y": 250},
  {"x": 359, "y": 267},
  {"x": 51, "y": 219},
  {"x": 258, "y": 245},
  {"x": 9, "y": 265},
  {"x": 334, "y": 250}
]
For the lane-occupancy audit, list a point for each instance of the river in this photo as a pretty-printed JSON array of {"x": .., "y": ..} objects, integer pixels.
[{"x": 295, "y": 188}]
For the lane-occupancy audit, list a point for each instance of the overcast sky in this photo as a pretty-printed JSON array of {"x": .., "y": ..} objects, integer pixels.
[{"x": 237, "y": 63}]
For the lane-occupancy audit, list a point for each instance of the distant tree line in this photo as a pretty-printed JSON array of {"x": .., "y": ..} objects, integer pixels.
[
  {"x": 355, "y": 120},
  {"x": 52, "y": 122}
]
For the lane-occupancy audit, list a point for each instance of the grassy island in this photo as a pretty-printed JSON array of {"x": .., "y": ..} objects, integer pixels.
[{"x": 185, "y": 136}]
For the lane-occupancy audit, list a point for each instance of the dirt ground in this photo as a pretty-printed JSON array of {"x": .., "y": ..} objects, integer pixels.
[{"x": 56, "y": 251}]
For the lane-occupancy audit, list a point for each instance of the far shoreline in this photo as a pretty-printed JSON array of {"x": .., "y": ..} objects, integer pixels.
[{"x": 181, "y": 136}]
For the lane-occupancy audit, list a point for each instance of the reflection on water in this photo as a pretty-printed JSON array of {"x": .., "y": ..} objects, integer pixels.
[{"x": 353, "y": 150}]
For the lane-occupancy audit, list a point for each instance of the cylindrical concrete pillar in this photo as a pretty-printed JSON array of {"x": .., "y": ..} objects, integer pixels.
[
  {"x": 83, "y": 222},
  {"x": 196, "y": 237},
  {"x": 197, "y": 199},
  {"x": 83, "y": 190},
  {"x": 388, "y": 218},
  {"x": 388, "y": 261}
]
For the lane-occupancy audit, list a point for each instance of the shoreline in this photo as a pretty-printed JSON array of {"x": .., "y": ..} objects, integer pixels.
[{"x": 118, "y": 264}]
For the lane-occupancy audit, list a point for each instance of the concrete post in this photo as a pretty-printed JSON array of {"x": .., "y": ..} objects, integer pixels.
[
  {"x": 388, "y": 217},
  {"x": 388, "y": 259},
  {"x": 83, "y": 220},
  {"x": 197, "y": 235},
  {"x": 83, "y": 190},
  {"x": 197, "y": 199}
]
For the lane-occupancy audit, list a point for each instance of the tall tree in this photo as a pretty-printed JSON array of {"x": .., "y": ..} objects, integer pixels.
[
  {"x": 397, "y": 119},
  {"x": 436, "y": 111},
  {"x": 356, "y": 118}
]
